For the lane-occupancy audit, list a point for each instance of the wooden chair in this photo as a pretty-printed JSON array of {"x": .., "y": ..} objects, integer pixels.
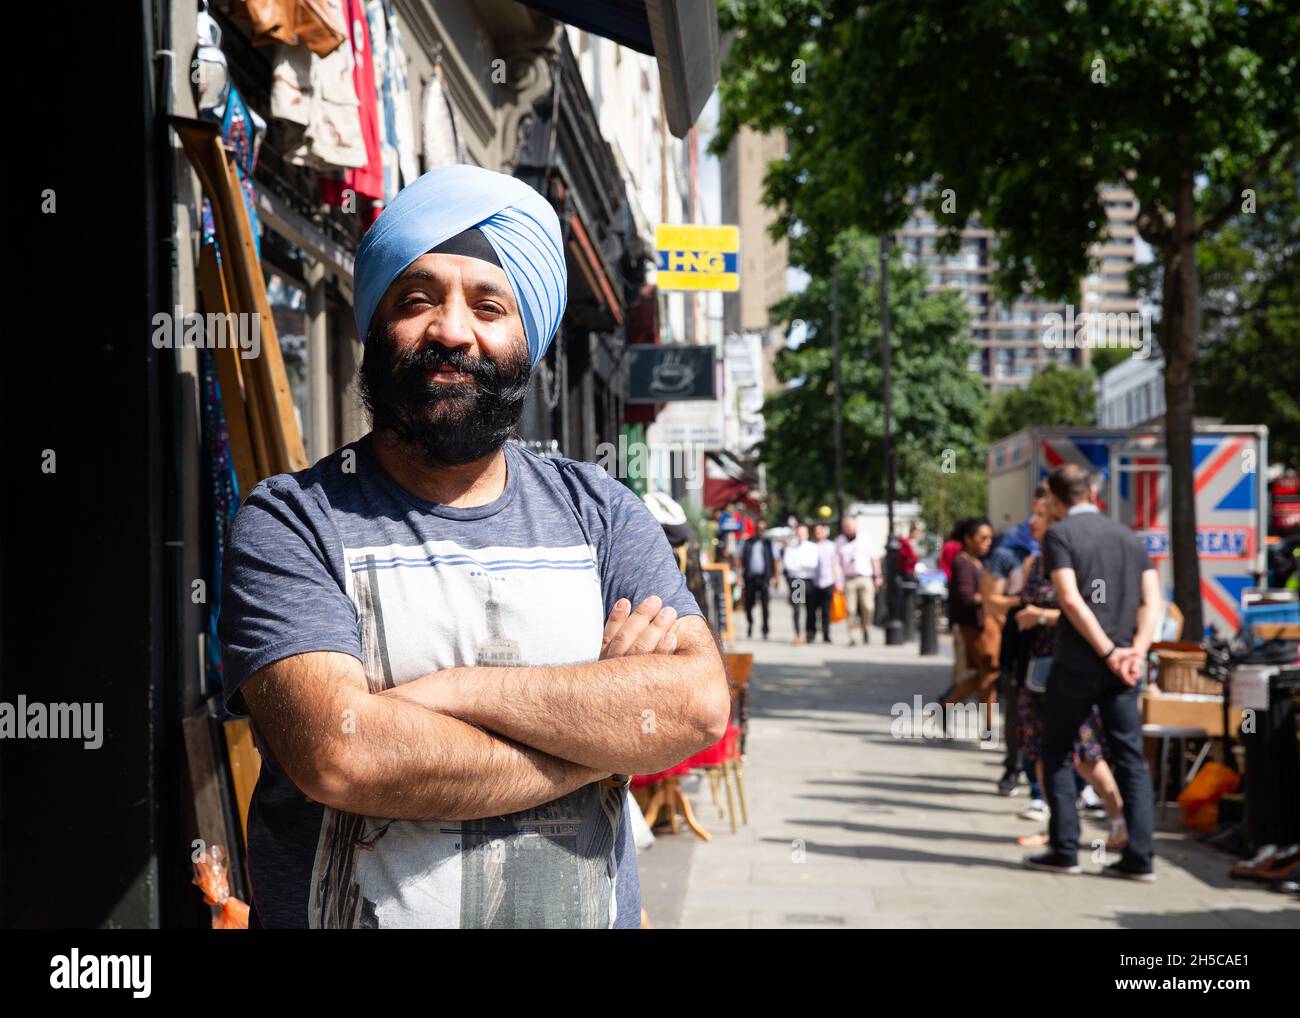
[
  {"x": 660, "y": 793},
  {"x": 722, "y": 763}
]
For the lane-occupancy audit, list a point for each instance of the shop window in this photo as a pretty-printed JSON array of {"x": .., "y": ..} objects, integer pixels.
[{"x": 289, "y": 311}]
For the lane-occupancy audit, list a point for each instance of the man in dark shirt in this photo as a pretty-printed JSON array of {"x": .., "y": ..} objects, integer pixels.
[
  {"x": 1109, "y": 594},
  {"x": 758, "y": 565}
]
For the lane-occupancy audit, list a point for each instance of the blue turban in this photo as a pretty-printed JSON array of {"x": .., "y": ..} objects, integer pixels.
[{"x": 518, "y": 222}]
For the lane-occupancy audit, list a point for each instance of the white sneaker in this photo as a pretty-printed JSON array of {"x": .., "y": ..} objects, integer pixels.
[
  {"x": 1089, "y": 799},
  {"x": 1036, "y": 810}
]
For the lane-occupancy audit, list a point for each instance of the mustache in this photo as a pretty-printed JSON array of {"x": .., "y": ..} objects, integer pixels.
[{"x": 413, "y": 368}]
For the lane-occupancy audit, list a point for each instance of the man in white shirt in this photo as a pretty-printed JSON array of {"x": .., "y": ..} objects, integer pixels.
[
  {"x": 860, "y": 563},
  {"x": 799, "y": 563},
  {"x": 828, "y": 579}
]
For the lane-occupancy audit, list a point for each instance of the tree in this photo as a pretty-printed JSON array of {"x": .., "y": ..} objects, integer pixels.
[
  {"x": 939, "y": 406},
  {"x": 1018, "y": 112},
  {"x": 1250, "y": 370},
  {"x": 947, "y": 496},
  {"x": 1056, "y": 395}
]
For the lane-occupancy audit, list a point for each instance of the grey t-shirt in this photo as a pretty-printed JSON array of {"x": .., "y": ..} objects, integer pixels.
[{"x": 340, "y": 557}]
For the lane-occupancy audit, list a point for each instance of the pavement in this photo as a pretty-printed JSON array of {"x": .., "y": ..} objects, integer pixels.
[{"x": 850, "y": 827}]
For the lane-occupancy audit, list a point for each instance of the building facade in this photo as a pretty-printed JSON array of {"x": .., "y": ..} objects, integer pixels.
[
  {"x": 1132, "y": 394},
  {"x": 1010, "y": 348}
]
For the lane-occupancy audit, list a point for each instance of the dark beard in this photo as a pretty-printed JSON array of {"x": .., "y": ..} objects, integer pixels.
[{"x": 449, "y": 423}]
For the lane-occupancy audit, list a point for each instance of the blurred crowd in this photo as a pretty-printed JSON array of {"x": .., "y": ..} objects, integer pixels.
[
  {"x": 1054, "y": 671},
  {"x": 827, "y": 582}
]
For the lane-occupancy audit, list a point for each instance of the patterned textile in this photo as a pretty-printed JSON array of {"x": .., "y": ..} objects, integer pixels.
[
  {"x": 242, "y": 132},
  {"x": 1088, "y": 747},
  {"x": 222, "y": 489}
]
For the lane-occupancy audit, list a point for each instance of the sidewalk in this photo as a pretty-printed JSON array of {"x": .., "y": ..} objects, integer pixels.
[{"x": 850, "y": 827}]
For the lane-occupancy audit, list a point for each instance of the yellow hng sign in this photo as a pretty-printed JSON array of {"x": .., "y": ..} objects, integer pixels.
[{"x": 698, "y": 257}]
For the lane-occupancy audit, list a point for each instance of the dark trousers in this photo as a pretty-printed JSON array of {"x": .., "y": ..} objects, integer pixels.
[
  {"x": 819, "y": 605},
  {"x": 756, "y": 590},
  {"x": 800, "y": 591},
  {"x": 1071, "y": 692}
]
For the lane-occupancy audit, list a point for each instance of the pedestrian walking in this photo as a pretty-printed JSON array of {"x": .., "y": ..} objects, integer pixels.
[
  {"x": 760, "y": 565},
  {"x": 947, "y": 556},
  {"x": 1000, "y": 587},
  {"x": 1109, "y": 595},
  {"x": 859, "y": 563},
  {"x": 828, "y": 578},
  {"x": 908, "y": 556},
  {"x": 966, "y": 615},
  {"x": 799, "y": 564}
]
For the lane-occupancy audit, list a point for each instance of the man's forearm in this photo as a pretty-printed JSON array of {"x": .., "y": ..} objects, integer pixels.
[
  {"x": 1086, "y": 625},
  {"x": 1149, "y": 617},
  {"x": 628, "y": 715},
  {"x": 408, "y": 763}
]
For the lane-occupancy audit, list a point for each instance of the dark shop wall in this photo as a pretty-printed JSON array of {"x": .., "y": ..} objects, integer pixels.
[{"x": 87, "y": 481}]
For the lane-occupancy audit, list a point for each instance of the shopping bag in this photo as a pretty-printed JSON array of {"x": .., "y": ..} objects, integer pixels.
[
  {"x": 838, "y": 610},
  {"x": 1200, "y": 799}
]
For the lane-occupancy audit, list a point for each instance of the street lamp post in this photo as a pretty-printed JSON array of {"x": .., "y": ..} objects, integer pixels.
[
  {"x": 838, "y": 424},
  {"x": 894, "y": 623}
]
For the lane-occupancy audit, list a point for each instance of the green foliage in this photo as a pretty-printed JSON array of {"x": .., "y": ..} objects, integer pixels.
[
  {"x": 947, "y": 495},
  {"x": 1016, "y": 113},
  {"x": 1106, "y": 357},
  {"x": 1249, "y": 370},
  {"x": 1014, "y": 110},
  {"x": 1056, "y": 395},
  {"x": 939, "y": 406}
]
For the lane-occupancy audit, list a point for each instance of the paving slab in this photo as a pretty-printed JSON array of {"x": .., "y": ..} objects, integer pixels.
[{"x": 853, "y": 827}]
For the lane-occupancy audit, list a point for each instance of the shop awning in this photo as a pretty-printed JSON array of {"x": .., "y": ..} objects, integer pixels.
[
  {"x": 728, "y": 479},
  {"x": 682, "y": 35}
]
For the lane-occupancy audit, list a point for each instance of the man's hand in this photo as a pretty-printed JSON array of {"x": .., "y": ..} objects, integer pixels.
[
  {"x": 1126, "y": 662},
  {"x": 1029, "y": 616},
  {"x": 644, "y": 631},
  {"x": 1134, "y": 663}
]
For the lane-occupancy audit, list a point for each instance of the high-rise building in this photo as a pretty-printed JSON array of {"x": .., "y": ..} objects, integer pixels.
[
  {"x": 763, "y": 261},
  {"x": 1009, "y": 338}
]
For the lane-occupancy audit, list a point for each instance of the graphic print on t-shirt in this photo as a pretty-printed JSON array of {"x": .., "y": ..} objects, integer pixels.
[{"x": 439, "y": 605}]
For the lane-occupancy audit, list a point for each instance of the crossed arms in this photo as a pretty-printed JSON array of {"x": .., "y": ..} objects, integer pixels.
[{"x": 467, "y": 743}]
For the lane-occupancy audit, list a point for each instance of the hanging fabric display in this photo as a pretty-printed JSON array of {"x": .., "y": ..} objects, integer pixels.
[
  {"x": 378, "y": 27},
  {"x": 397, "y": 80},
  {"x": 315, "y": 100},
  {"x": 366, "y": 181},
  {"x": 442, "y": 143},
  {"x": 222, "y": 491},
  {"x": 397, "y": 134},
  {"x": 242, "y": 130},
  {"x": 214, "y": 74}
]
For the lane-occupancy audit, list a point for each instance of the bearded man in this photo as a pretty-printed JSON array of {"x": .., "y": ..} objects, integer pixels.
[{"x": 433, "y": 630}]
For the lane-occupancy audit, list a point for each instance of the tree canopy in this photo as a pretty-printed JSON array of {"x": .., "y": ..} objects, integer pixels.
[
  {"x": 1019, "y": 112},
  {"x": 1056, "y": 395},
  {"x": 1249, "y": 372},
  {"x": 939, "y": 405}
]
